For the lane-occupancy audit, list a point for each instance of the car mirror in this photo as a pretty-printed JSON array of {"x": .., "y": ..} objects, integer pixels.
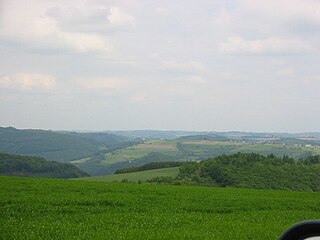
[{"x": 307, "y": 230}]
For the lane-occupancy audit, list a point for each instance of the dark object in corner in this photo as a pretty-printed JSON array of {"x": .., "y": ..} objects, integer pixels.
[{"x": 302, "y": 230}]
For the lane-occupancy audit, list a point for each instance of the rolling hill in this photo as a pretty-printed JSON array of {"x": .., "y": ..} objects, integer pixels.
[
  {"x": 101, "y": 153},
  {"x": 28, "y": 166},
  {"x": 183, "y": 150},
  {"x": 57, "y": 146}
]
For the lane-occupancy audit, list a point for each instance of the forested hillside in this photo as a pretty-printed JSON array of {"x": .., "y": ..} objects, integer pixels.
[
  {"x": 28, "y": 166},
  {"x": 58, "y": 146},
  {"x": 251, "y": 170},
  {"x": 100, "y": 138}
]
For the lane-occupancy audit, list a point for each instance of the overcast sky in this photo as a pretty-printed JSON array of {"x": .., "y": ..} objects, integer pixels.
[{"x": 250, "y": 65}]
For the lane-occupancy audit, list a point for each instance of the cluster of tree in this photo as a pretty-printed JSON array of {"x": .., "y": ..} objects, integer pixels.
[
  {"x": 250, "y": 170},
  {"x": 148, "y": 166},
  {"x": 28, "y": 166},
  {"x": 312, "y": 160}
]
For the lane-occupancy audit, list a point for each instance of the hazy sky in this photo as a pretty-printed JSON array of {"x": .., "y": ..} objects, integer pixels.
[{"x": 248, "y": 65}]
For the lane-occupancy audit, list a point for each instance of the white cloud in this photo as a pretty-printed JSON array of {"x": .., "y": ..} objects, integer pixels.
[
  {"x": 268, "y": 46},
  {"x": 161, "y": 11},
  {"x": 27, "y": 81},
  {"x": 108, "y": 86},
  {"x": 313, "y": 81},
  {"x": 119, "y": 61},
  {"x": 173, "y": 65},
  {"x": 30, "y": 24},
  {"x": 196, "y": 79},
  {"x": 141, "y": 97},
  {"x": 286, "y": 72},
  {"x": 119, "y": 18},
  {"x": 163, "y": 57},
  {"x": 98, "y": 19},
  {"x": 285, "y": 10}
]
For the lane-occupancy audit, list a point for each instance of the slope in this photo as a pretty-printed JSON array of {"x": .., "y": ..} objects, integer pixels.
[
  {"x": 27, "y": 166},
  {"x": 135, "y": 176},
  {"x": 58, "y": 146}
]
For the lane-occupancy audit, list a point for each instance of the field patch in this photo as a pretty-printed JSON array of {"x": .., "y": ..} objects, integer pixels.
[
  {"x": 135, "y": 176},
  {"x": 205, "y": 142},
  {"x": 65, "y": 209},
  {"x": 135, "y": 152},
  {"x": 82, "y": 160},
  {"x": 127, "y": 154},
  {"x": 158, "y": 146}
]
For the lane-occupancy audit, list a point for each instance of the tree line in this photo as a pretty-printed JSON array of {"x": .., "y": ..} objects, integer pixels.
[
  {"x": 250, "y": 170},
  {"x": 149, "y": 166}
]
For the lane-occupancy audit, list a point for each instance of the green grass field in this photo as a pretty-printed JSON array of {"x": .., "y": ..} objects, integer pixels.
[
  {"x": 64, "y": 209},
  {"x": 135, "y": 176}
]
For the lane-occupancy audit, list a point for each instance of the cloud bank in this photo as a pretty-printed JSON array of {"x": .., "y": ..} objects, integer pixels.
[{"x": 206, "y": 65}]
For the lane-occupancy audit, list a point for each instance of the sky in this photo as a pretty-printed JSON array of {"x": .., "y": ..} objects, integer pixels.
[{"x": 246, "y": 65}]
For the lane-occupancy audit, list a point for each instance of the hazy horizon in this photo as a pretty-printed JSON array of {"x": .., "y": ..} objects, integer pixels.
[
  {"x": 239, "y": 65},
  {"x": 161, "y": 130}
]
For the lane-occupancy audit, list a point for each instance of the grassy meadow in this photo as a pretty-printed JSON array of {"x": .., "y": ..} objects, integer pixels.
[
  {"x": 140, "y": 150},
  {"x": 134, "y": 176},
  {"x": 65, "y": 209}
]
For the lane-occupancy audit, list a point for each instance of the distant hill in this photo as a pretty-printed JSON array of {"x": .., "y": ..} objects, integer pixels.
[
  {"x": 155, "y": 134},
  {"x": 210, "y": 137},
  {"x": 235, "y": 135},
  {"x": 58, "y": 146},
  {"x": 101, "y": 153},
  {"x": 100, "y": 138},
  {"x": 27, "y": 166},
  {"x": 299, "y": 141}
]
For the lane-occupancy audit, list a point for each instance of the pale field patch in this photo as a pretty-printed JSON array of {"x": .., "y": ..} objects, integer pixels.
[
  {"x": 205, "y": 142},
  {"x": 156, "y": 146},
  {"x": 82, "y": 160}
]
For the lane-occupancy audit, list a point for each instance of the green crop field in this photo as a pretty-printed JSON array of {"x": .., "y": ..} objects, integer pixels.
[
  {"x": 64, "y": 209},
  {"x": 135, "y": 176}
]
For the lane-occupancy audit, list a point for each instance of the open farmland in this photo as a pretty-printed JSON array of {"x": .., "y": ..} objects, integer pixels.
[
  {"x": 200, "y": 150},
  {"x": 206, "y": 142},
  {"x": 183, "y": 150},
  {"x": 135, "y": 152},
  {"x": 135, "y": 155},
  {"x": 135, "y": 176},
  {"x": 64, "y": 209}
]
